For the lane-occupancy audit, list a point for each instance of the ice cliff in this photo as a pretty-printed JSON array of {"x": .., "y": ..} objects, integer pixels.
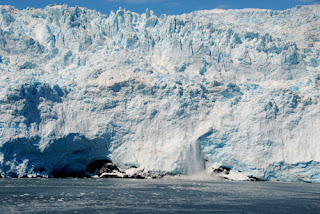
[{"x": 219, "y": 88}]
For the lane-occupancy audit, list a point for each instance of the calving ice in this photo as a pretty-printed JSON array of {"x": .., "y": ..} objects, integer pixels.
[{"x": 231, "y": 92}]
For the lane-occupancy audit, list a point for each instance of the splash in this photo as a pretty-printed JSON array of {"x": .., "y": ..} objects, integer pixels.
[{"x": 195, "y": 162}]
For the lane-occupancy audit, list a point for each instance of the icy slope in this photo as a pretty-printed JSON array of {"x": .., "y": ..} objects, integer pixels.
[{"x": 231, "y": 88}]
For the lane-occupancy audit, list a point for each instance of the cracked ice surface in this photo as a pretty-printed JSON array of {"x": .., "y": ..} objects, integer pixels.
[{"x": 233, "y": 88}]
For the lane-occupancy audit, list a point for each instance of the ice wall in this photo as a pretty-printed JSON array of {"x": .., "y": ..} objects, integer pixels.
[{"x": 232, "y": 88}]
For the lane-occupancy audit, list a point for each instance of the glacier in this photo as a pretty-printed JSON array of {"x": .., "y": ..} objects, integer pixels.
[{"x": 183, "y": 93}]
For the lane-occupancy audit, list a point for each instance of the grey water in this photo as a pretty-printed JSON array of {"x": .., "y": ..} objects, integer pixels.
[{"x": 155, "y": 196}]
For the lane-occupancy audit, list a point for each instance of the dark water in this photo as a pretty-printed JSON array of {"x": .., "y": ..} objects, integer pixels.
[{"x": 155, "y": 196}]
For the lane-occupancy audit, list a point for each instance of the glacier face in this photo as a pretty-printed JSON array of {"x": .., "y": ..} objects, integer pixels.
[{"x": 232, "y": 88}]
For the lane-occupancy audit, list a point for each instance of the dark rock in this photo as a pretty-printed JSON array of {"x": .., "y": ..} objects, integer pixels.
[
  {"x": 222, "y": 169},
  {"x": 0, "y": 176},
  {"x": 68, "y": 174},
  {"x": 125, "y": 176},
  {"x": 138, "y": 177},
  {"x": 252, "y": 178},
  {"x": 97, "y": 165},
  {"x": 108, "y": 168}
]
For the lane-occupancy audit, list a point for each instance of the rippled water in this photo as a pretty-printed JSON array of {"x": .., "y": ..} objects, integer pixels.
[{"x": 155, "y": 196}]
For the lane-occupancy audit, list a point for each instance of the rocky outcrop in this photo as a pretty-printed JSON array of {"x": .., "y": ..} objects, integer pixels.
[
  {"x": 111, "y": 170},
  {"x": 231, "y": 174}
]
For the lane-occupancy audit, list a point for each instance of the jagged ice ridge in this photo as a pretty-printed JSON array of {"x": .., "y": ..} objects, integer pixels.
[{"x": 232, "y": 88}]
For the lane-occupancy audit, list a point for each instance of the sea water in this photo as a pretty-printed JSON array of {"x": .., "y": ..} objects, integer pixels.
[{"x": 155, "y": 196}]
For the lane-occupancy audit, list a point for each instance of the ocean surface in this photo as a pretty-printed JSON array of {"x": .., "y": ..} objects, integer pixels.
[{"x": 155, "y": 196}]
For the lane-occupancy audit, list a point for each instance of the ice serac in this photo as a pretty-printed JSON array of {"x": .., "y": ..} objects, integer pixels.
[{"x": 217, "y": 89}]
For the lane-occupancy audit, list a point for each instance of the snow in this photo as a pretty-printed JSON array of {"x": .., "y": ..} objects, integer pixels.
[{"x": 232, "y": 88}]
